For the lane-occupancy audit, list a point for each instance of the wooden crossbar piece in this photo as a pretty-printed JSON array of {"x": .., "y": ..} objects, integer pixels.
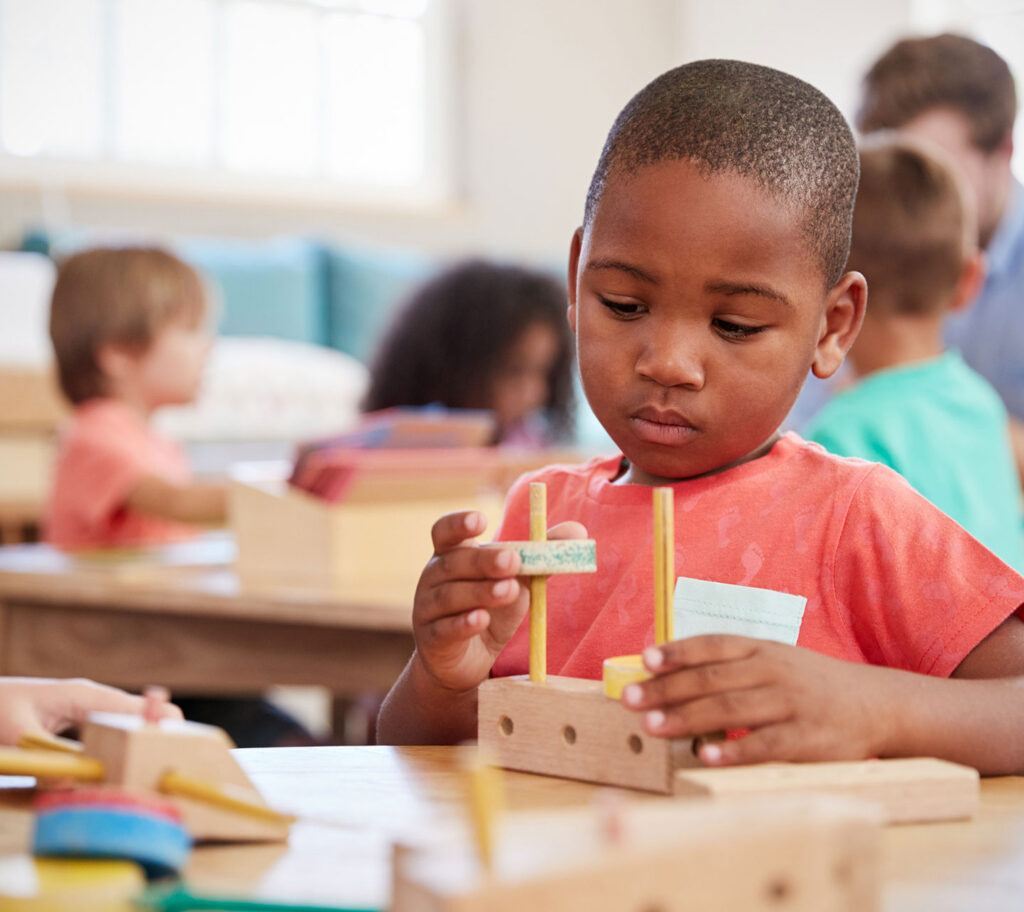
[
  {"x": 911, "y": 790},
  {"x": 567, "y": 727},
  {"x": 803, "y": 854},
  {"x": 546, "y": 558}
]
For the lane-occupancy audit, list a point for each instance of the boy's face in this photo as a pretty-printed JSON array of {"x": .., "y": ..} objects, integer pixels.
[
  {"x": 170, "y": 370},
  {"x": 699, "y": 309}
]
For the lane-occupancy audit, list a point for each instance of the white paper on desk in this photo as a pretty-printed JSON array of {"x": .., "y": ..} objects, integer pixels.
[{"x": 701, "y": 606}]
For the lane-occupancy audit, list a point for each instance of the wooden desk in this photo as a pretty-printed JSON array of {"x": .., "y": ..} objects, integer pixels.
[
  {"x": 942, "y": 867},
  {"x": 180, "y": 616}
]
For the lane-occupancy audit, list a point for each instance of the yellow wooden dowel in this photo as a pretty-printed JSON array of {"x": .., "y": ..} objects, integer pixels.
[
  {"x": 538, "y": 587},
  {"x": 46, "y": 741},
  {"x": 50, "y": 764},
  {"x": 668, "y": 560},
  {"x": 485, "y": 802},
  {"x": 223, "y": 796},
  {"x": 659, "y": 569}
]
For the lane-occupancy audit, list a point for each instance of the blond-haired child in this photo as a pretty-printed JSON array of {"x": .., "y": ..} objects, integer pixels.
[
  {"x": 915, "y": 406},
  {"x": 129, "y": 331},
  {"x": 707, "y": 280}
]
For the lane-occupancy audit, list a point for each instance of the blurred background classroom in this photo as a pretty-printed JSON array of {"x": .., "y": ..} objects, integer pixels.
[{"x": 316, "y": 161}]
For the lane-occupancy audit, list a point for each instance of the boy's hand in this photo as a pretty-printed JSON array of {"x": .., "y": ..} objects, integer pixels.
[
  {"x": 468, "y": 601},
  {"x": 796, "y": 704}
]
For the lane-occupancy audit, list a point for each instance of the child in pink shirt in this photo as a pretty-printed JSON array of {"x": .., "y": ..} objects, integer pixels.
[
  {"x": 129, "y": 334},
  {"x": 707, "y": 281}
]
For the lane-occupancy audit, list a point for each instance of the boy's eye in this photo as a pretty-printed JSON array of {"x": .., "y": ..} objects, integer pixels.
[
  {"x": 730, "y": 330},
  {"x": 621, "y": 308}
]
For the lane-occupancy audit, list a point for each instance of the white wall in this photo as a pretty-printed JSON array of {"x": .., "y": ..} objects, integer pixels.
[
  {"x": 542, "y": 81},
  {"x": 828, "y": 43}
]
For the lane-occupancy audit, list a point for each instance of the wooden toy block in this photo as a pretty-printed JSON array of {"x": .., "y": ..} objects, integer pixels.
[
  {"x": 568, "y": 727},
  {"x": 136, "y": 754},
  {"x": 291, "y": 538},
  {"x": 912, "y": 790},
  {"x": 546, "y": 558},
  {"x": 805, "y": 855}
]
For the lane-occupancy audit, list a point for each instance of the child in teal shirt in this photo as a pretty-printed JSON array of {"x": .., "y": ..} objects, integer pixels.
[{"x": 915, "y": 407}]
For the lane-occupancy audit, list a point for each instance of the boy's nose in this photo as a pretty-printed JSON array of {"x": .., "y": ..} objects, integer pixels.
[{"x": 672, "y": 359}]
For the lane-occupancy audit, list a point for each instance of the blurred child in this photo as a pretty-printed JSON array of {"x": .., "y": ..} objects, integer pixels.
[
  {"x": 707, "y": 280},
  {"x": 45, "y": 705},
  {"x": 917, "y": 407},
  {"x": 483, "y": 336},
  {"x": 129, "y": 331},
  {"x": 130, "y": 334}
]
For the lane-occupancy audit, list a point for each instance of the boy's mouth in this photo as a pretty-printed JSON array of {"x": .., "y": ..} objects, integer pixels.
[{"x": 654, "y": 425}]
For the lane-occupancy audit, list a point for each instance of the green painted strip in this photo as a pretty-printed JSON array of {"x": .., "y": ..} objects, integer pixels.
[{"x": 546, "y": 558}]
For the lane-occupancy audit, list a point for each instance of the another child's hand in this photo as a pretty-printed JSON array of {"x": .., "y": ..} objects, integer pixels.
[
  {"x": 35, "y": 705},
  {"x": 796, "y": 704},
  {"x": 468, "y": 602}
]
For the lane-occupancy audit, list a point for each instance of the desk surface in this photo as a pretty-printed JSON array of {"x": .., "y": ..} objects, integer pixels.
[
  {"x": 181, "y": 616},
  {"x": 971, "y": 865}
]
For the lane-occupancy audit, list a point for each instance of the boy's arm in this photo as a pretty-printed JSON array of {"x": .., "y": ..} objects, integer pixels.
[
  {"x": 468, "y": 605},
  {"x": 799, "y": 705},
  {"x": 193, "y": 503}
]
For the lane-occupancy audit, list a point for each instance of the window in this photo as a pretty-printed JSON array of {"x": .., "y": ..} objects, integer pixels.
[
  {"x": 997, "y": 23},
  {"x": 329, "y": 97}
]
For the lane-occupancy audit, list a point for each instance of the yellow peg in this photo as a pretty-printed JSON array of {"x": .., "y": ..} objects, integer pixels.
[
  {"x": 50, "y": 764},
  {"x": 664, "y": 564},
  {"x": 228, "y": 797},
  {"x": 538, "y": 587},
  {"x": 38, "y": 740},
  {"x": 485, "y": 803}
]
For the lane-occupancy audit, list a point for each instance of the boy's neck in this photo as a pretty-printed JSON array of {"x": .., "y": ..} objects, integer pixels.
[
  {"x": 891, "y": 340},
  {"x": 133, "y": 403}
]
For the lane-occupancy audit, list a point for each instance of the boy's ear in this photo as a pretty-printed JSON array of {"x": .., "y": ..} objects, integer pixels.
[
  {"x": 972, "y": 277},
  {"x": 574, "y": 264},
  {"x": 840, "y": 323},
  {"x": 115, "y": 361}
]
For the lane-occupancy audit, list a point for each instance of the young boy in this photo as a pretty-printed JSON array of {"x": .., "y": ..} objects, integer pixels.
[
  {"x": 706, "y": 281},
  {"x": 129, "y": 334},
  {"x": 916, "y": 407}
]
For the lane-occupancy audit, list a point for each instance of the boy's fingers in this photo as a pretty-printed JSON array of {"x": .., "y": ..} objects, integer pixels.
[
  {"x": 730, "y": 710},
  {"x": 454, "y": 528},
  {"x": 773, "y": 742},
  {"x": 567, "y": 530},
  {"x": 459, "y": 626},
  {"x": 699, "y": 650},
  {"x": 693, "y": 682},
  {"x": 458, "y": 596},
  {"x": 469, "y": 563}
]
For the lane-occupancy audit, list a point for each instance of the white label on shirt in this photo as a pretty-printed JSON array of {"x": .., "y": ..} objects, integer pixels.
[{"x": 701, "y": 606}]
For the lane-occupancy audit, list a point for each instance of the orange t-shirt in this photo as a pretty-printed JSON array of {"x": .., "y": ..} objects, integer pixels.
[
  {"x": 104, "y": 453},
  {"x": 889, "y": 579}
]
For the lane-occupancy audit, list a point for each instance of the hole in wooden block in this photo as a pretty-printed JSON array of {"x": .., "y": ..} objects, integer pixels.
[
  {"x": 778, "y": 890},
  {"x": 636, "y": 744},
  {"x": 506, "y": 725},
  {"x": 569, "y": 734}
]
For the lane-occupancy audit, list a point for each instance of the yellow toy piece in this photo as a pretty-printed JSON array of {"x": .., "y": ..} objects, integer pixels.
[
  {"x": 68, "y": 885},
  {"x": 619, "y": 671}
]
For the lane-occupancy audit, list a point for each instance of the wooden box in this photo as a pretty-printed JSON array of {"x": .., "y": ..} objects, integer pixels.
[
  {"x": 808, "y": 854},
  {"x": 30, "y": 400},
  {"x": 374, "y": 543}
]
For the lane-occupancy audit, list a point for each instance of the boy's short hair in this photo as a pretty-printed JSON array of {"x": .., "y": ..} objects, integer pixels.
[
  {"x": 917, "y": 75},
  {"x": 121, "y": 296},
  {"x": 913, "y": 227},
  {"x": 760, "y": 123}
]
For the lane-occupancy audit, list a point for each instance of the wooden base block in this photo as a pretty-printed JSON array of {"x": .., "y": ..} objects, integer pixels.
[
  {"x": 568, "y": 727},
  {"x": 136, "y": 755},
  {"x": 801, "y": 854},
  {"x": 908, "y": 790}
]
